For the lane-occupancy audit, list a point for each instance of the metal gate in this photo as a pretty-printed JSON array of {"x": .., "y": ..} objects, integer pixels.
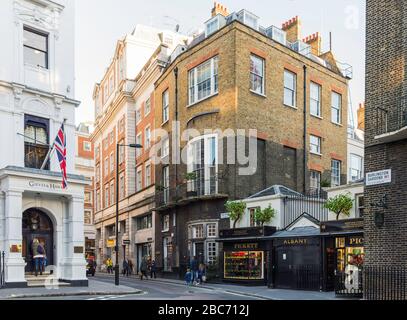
[{"x": 349, "y": 285}]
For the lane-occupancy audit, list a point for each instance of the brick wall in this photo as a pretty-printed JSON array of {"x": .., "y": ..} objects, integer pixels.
[{"x": 385, "y": 85}]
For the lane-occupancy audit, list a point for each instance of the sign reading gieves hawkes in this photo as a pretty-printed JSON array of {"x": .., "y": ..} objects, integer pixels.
[{"x": 45, "y": 185}]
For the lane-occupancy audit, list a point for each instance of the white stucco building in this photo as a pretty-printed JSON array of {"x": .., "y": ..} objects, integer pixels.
[{"x": 36, "y": 96}]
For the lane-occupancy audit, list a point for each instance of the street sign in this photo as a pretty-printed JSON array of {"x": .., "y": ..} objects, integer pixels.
[
  {"x": 378, "y": 177},
  {"x": 126, "y": 242}
]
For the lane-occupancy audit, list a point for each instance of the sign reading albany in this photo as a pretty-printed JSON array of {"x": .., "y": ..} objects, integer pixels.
[
  {"x": 45, "y": 185},
  {"x": 378, "y": 177}
]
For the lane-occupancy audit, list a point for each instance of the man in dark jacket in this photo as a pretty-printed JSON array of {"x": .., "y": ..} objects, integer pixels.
[
  {"x": 143, "y": 268},
  {"x": 194, "y": 269}
]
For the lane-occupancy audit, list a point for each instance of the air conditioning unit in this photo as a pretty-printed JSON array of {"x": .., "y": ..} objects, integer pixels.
[
  {"x": 302, "y": 48},
  {"x": 277, "y": 35}
]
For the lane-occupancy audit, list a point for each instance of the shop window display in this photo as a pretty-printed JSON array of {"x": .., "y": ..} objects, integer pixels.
[{"x": 244, "y": 265}]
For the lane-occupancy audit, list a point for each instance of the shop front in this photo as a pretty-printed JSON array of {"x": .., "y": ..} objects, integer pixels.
[
  {"x": 246, "y": 255},
  {"x": 297, "y": 260},
  {"x": 344, "y": 256}
]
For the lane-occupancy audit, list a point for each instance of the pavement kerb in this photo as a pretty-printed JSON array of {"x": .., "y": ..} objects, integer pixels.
[{"x": 72, "y": 294}]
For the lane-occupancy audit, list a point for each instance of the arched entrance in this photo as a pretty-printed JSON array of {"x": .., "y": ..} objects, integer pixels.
[{"x": 37, "y": 225}]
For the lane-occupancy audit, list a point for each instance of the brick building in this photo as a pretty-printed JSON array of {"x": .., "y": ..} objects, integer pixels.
[
  {"x": 386, "y": 128},
  {"x": 239, "y": 75},
  {"x": 85, "y": 165},
  {"x": 124, "y": 114}
]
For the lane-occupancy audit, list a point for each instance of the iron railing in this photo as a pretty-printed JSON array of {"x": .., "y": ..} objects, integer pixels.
[
  {"x": 2, "y": 266},
  {"x": 300, "y": 277},
  {"x": 311, "y": 203},
  {"x": 349, "y": 285},
  {"x": 385, "y": 283},
  {"x": 392, "y": 120},
  {"x": 190, "y": 190}
]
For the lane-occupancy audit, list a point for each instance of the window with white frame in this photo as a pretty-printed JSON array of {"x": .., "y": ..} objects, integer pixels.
[
  {"x": 198, "y": 231},
  {"x": 138, "y": 115},
  {"x": 139, "y": 140},
  {"x": 88, "y": 197},
  {"x": 211, "y": 230},
  {"x": 148, "y": 175},
  {"x": 257, "y": 74},
  {"x": 360, "y": 205},
  {"x": 87, "y": 217},
  {"x": 252, "y": 217},
  {"x": 166, "y": 222},
  {"x": 121, "y": 186},
  {"x": 97, "y": 174},
  {"x": 203, "y": 163},
  {"x": 335, "y": 173},
  {"x": 211, "y": 252},
  {"x": 121, "y": 153},
  {"x": 203, "y": 80},
  {"x": 106, "y": 196},
  {"x": 290, "y": 87},
  {"x": 356, "y": 167},
  {"x": 315, "y": 99},
  {"x": 111, "y": 83},
  {"x": 212, "y": 26},
  {"x": 87, "y": 146},
  {"x": 139, "y": 180},
  {"x": 35, "y": 48},
  {"x": 166, "y": 106},
  {"x": 165, "y": 148},
  {"x": 97, "y": 200},
  {"x": 112, "y": 162},
  {"x": 112, "y": 195},
  {"x": 147, "y": 107},
  {"x": 315, "y": 144},
  {"x": 147, "y": 138},
  {"x": 336, "y": 108},
  {"x": 105, "y": 92},
  {"x": 166, "y": 183},
  {"x": 106, "y": 166},
  {"x": 315, "y": 180}
]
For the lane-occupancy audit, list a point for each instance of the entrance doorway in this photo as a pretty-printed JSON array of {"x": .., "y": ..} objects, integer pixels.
[{"x": 37, "y": 225}]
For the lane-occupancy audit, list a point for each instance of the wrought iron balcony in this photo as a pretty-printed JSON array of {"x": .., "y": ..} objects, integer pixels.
[
  {"x": 392, "y": 124},
  {"x": 190, "y": 191}
]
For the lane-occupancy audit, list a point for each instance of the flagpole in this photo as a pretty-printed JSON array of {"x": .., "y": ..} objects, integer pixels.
[{"x": 50, "y": 150}]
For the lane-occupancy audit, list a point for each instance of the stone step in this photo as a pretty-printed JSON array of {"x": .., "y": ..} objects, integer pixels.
[{"x": 43, "y": 284}]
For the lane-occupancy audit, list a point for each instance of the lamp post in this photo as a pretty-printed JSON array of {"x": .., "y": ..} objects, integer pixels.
[{"x": 116, "y": 267}]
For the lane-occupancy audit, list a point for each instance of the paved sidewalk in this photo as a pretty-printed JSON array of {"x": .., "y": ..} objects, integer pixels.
[
  {"x": 261, "y": 292},
  {"x": 95, "y": 288}
]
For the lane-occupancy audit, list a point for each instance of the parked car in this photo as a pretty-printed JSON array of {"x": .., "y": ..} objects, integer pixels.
[{"x": 91, "y": 267}]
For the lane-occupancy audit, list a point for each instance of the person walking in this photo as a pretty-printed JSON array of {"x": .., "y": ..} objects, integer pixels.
[
  {"x": 201, "y": 274},
  {"x": 153, "y": 270},
  {"x": 109, "y": 264},
  {"x": 125, "y": 267},
  {"x": 143, "y": 269},
  {"x": 130, "y": 267},
  {"x": 194, "y": 269}
]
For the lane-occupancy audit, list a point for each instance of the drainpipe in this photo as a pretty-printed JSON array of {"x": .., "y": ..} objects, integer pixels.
[
  {"x": 304, "y": 185},
  {"x": 175, "y": 241}
]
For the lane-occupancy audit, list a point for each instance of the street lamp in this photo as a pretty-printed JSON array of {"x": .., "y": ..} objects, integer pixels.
[{"x": 116, "y": 267}]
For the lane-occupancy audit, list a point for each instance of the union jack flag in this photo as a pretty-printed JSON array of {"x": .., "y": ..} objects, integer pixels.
[{"x": 60, "y": 147}]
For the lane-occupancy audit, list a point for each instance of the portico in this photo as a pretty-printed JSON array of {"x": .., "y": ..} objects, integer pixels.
[{"x": 33, "y": 204}]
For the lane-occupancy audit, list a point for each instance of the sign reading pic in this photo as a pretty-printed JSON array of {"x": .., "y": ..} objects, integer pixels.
[{"x": 378, "y": 177}]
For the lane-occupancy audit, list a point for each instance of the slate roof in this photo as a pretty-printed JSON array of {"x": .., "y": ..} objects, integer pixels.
[{"x": 275, "y": 190}]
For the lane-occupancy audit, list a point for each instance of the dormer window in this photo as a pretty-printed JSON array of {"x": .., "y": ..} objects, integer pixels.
[
  {"x": 214, "y": 24},
  {"x": 249, "y": 19},
  {"x": 35, "y": 48}
]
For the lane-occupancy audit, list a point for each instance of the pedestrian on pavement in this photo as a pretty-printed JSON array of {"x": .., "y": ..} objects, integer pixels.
[
  {"x": 109, "y": 264},
  {"x": 130, "y": 267},
  {"x": 194, "y": 269},
  {"x": 188, "y": 277},
  {"x": 125, "y": 267},
  {"x": 143, "y": 268},
  {"x": 153, "y": 270},
  {"x": 201, "y": 273}
]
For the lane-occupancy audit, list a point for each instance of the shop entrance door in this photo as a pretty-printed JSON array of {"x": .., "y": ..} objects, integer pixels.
[
  {"x": 37, "y": 225},
  {"x": 199, "y": 252}
]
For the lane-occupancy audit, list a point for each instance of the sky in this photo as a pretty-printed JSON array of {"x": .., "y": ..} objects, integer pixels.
[{"x": 100, "y": 23}]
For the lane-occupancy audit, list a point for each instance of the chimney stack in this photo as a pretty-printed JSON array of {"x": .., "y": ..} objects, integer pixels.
[
  {"x": 361, "y": 117},
  {"x": 219, "y": 9},
  {"x": 293, "y": 29},
  {"x": 315, "y": 41}
]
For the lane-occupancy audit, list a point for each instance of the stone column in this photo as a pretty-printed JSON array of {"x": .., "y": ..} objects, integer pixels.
[
  {"x": 74, "y": 260},
  {"x": 2, "y": 221},
  {"x": 13, "y": 239}
]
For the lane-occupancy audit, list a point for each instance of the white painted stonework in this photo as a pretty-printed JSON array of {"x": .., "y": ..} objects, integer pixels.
[{"x": 47, "y": 93}]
